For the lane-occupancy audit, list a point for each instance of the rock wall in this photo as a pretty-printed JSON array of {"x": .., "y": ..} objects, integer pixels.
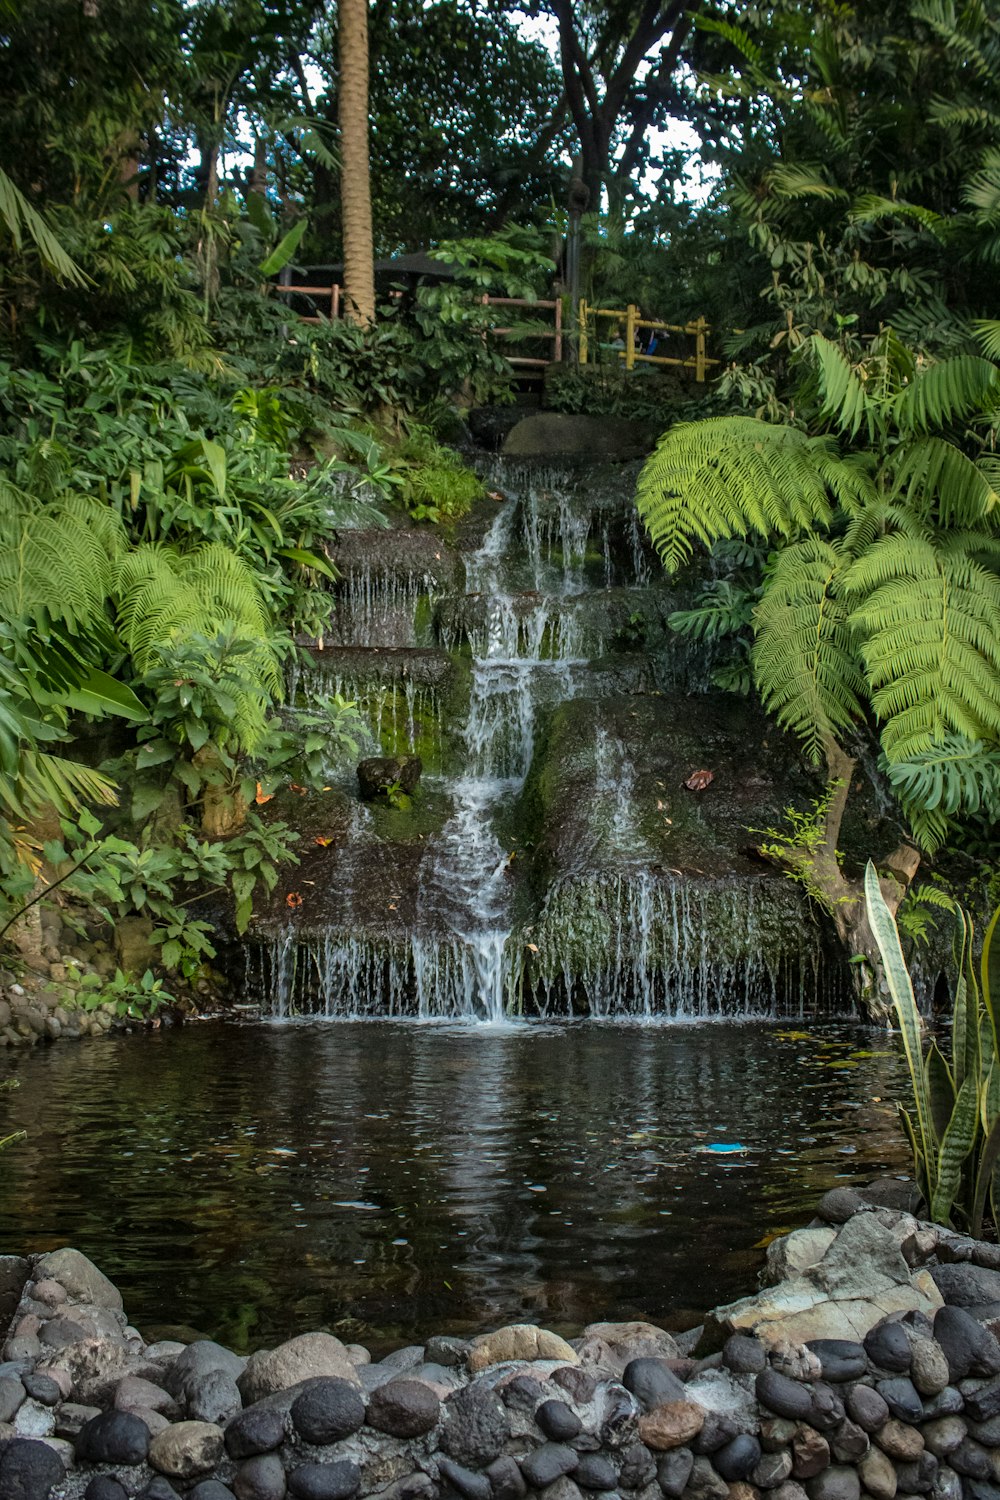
[{"x": 871, "y": 1368}]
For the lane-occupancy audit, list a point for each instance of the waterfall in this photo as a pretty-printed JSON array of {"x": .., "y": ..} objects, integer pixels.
[{"x": 538, "y": 692}]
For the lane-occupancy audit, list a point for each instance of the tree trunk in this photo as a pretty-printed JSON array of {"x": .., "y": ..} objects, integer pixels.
[
  {"x": 819, "y": 869},
  {"x": 359, "y": 268}
]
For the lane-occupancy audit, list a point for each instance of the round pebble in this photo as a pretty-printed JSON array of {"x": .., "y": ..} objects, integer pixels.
[
  {"x": 558, "y": 1421},
  {"x": 328, "y": 1410},
  {"x": 335, "y": 1481}
]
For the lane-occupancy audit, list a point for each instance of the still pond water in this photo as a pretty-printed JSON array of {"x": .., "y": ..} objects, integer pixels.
[{"x": 390, "y": 1180}]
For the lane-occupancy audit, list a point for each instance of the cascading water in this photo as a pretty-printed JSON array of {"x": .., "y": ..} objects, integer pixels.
[{"x": 569, "y": 680}]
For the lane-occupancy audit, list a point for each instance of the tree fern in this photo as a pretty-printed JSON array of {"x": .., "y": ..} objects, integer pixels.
[
  {"x": 948, "y": 391},
  {"x": 805, "y": 657},
  {"x": 939, "y": 482},
  {"x": 734, "y": 477},
  {"x": 930, "y": 624}
]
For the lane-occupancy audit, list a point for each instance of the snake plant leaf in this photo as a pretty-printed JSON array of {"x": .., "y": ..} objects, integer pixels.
[
  {"x": 986, "y": 1178},
  {"x": 919, "y": 1165},
  {"x": 901, "y": 990},
  {"x": 991, "y": 977},
  {"x": 941, "y": 1090},
  {"x": 955, "y": 1147},
  {"x": 966, "y": 1046}
]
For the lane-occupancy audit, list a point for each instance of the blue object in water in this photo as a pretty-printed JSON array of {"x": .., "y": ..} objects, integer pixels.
[{"x": 721, "y": 1149}]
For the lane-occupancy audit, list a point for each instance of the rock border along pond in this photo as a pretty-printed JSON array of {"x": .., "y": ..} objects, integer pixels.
[{"x": 870, "y": 1366}]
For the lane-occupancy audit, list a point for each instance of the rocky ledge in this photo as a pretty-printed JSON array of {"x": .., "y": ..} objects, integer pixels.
[{"x": 870, "y": 1368}]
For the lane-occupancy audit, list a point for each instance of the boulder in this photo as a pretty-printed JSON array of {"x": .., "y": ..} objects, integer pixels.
[
  {"x": 271, "y": 1370},
  {"x": 81, "y": 1278},
  {"x": 518, "y": 1341},
  {"x": 381, "y": 774}
]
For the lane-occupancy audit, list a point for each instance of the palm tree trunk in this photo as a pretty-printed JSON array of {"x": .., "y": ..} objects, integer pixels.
[{"x": 359, "y": 270}]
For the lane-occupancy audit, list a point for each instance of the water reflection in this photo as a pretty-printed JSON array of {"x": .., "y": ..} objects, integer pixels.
[{"x": 385, "y": 1179}]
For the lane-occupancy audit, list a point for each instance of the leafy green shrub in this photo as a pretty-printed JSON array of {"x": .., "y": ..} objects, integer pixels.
[
  {"x": 436, "y": 485},
  {"x": 138, "y": 998},
  {"x": 954, "y": 1125}
]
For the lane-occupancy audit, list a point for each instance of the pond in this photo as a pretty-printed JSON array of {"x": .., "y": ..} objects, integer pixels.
[{"x": 392, "y": 1180}]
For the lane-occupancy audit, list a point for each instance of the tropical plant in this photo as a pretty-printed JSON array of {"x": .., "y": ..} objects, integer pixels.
[
  {"x": 953, "y": 1126},
  {"x": 881, "y": 594}
]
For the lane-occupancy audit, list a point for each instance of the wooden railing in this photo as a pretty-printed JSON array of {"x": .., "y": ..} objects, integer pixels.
[{"x": 628, "y": 318}]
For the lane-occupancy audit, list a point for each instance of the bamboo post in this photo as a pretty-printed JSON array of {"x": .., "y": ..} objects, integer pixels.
[
  {"x": 582, "y": 314},
  {"x": 699, "y": 350},
  {"x": 557, "y": 352},
  {"x": 630, "y": 313},
  {"x": 335, "y": 302}
]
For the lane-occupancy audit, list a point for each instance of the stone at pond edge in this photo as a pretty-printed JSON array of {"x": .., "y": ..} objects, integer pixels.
[
  {"x": 186, "y": 1449},
  {"x": 652, "y": 1382},
  {"x": 333, "y": 1481},
  {"x": 260, "y": 1478},
  {"x": 968, "y": 1347},
  {"x": 547, "y": 1464},
  {"x": 379, "y": 773},
  {"x": 269, "y": 1371},
  {"x": 468, "y": 1484},
  {"x": 257, "y": 1429},
  {"x": 80, "y": 1277},
  {"x": 403, "y": 1408},
  {"x": 327, "y": 1410},
  {"x": 29, "y": 1470},
  {"x": 115, "y": 1437},
  {"x": 518, "y": 1341},
  {"x": 105, "y": 1487},
  {"x": 671, "y": 1425},
  {"x": 474, "y": 1426},
  {"x": 558, "y": 1421},
  {"x": 210, "y": 1489}
]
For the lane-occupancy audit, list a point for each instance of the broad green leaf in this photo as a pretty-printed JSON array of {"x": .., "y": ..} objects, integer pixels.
[
  {"x": 284, "y": 250},
  {"x": 99, "y": 693}
]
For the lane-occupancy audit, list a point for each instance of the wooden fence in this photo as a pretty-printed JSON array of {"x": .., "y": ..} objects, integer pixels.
[{"x": 626, "y": 319}]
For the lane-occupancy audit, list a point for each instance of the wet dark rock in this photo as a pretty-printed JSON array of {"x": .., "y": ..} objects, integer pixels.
[
  {"x": 403, "y": 1408},
  {"x": 558, "y": 1421},
  {"x": 621, "y": 1419},
  {"x": 333, "y": 1481},
  {"x": 849, "y": 1442},
  {"x": 595, "y": 1472},
  {"x": 106, "y": 1487},
  {"x": 652, "y": 1382},
  {"x": 447, "y": 1351},
  {"x": 261, "y": 1478},
  {"x": 717, "y": 1430},
  {"x": 772, "y": 1469},
  {"x": 987, "y": 1432},
  {"x": 198, "y": 1360},
  {"x": 917, "y": 1477},
  {"x": 980, "y": 1489},
  {"x": 159, "y": 1488},
  {"x": 902, "y": 1398},
  {"x": 210, "y": 1489},
  {"x": 29, "y": 1470},
  {"x": 972, "y": 1459},
  {"x": 785, "y": 1397},
  {"x": 838, "y": 1482},
  {"x": 213, "y": 1397},
  {"x": 947, "y": 1403},
  {"x": 839, "y": 1205},
  {"x": 12, "y": 1394},
  {"x": 468, "y": 1484},
  {"x": 673, "y": 1472},
  {"x": 841, "y": 1359},
  {"x": 744, "y": 1355},
  {"x": 328, "y": 1410},
  {"x": 579, "y": 1384},
  {"x": 42, "y": 1388},
  {"x": 14, "y": 1273},
  {"x": 968, "y": 1347},
  {"x": 705, "y": 1483},
  {"x": 566, "y": 435},
  {"x": 966, "y": 1285},
  {"x": 258, "y": 1429},
  {"x": 115, "y": 1437},
  {"x": 506, "y": 1479},
  {"x": 888, "y": 1347},
  {"x": 984, "y": 1403},
  {"x": 738, "y": 1458},
  {"x": 636, "y": 1467},
  {"x": 474, "y": 1426},
  {"x": 547, "y": 1464},
  {"x": 380, "y": 773},
  {"x": 523, "y": 1393}
]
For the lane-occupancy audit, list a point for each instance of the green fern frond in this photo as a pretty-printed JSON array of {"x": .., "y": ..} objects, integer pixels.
[
  {"x": 57, "y": 562},
  {"x": 937, "y": 480},
  {"x": 794, "y": 180},
  {"x": 44, "y": 780},
  {"x": 805, "y": 655},
  {"x": 948, "y": 391},
  {"x": 845, "y": 401},
  {"x": 869, "y": 208},
  {"x": 988, "y": 333},
  {"x": 735, "y": 477},
  {"x": 930, "y": 627},
  {"x": 953, "y": 777},
  {"x": 23, "y": 222}
]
